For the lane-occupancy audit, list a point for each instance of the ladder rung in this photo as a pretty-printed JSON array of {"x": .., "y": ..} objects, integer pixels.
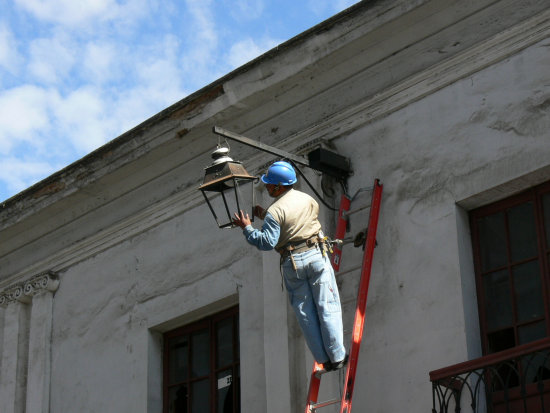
[
  {"x": 354, "y": 211},
  {"x": 325, "y": 404}
]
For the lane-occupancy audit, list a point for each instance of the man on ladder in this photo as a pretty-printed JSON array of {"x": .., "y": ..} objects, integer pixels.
[{"x": 292, "y": 228}]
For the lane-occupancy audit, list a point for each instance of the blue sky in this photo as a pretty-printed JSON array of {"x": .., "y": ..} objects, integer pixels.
[{"x": 75, "y": 74}]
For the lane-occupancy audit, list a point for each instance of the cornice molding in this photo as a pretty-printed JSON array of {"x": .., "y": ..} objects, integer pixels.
[
  {"x": 24, "y": 291},
  {"x": 463, "y": 64},
  {"x": 414, "y": 88}
]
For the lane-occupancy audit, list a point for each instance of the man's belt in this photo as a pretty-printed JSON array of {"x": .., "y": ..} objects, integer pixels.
[{"x": 299, "y": 246}]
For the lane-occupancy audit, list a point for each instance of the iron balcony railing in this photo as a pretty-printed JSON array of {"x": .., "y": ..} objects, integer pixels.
[{"x": 511, "y": 381}]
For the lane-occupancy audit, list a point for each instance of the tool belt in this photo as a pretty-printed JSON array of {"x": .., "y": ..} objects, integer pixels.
[{"x": 300, "y": 246}]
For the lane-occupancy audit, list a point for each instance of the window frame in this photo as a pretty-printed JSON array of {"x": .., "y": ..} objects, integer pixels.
[
  {"x": 209, "y": 323},
  {"x": 534, "y": 195}
]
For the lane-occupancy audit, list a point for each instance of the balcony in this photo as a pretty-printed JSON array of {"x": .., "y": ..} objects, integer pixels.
[{"x": 511, "y": 381}]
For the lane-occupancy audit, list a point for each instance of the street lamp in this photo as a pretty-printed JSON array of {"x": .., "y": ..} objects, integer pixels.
[{"x": 227, "y": 188}]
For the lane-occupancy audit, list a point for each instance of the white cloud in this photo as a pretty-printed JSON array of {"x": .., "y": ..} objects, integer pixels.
[
  {"x": 18, "y": 174},
  {"x": 9, "y": 55},
  {"x": 23, "y": 112},
  {"x": 162, "y": 81},
  {"x": 247, "y": 9},
  {"x": 199, "y": 59},
  {"x": 87, "y": 117},
  {"x": 100, "y": 62},
  {"x": 203, "y": 23},
  {"x": 95, "y": 114},
  {"x": 68, "y": 12},
  {"x": 157, "y": 84},
  {"x": 248, "y": 49},
  {"x": 80, "y": 119},
  {"x": 202, "y": 37},
  {"x": 78, "y": 14},
  {"x": 30, "y": 114},
  {"x": 51, "y": 60}
]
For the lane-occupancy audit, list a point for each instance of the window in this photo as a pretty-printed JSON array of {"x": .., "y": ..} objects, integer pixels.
[
  {"x": 511, "y": 252},
  {"x": 201, "y": 366}
]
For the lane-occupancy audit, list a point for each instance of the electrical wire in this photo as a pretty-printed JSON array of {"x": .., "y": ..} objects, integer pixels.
[{"x": 311, "y": 186}]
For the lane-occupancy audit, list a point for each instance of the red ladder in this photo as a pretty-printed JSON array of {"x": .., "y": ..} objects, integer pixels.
[{"x": 359, "y": 322}]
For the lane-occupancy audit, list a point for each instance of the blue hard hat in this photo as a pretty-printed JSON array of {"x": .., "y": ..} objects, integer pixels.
[{"x": 280, "y": 173}]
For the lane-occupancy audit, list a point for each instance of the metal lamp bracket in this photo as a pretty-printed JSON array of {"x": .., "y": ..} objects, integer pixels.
[{"x": 320, "y": 159}]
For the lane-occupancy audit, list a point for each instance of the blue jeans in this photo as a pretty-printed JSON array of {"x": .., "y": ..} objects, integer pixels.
[{"x": 313, "y": 294}]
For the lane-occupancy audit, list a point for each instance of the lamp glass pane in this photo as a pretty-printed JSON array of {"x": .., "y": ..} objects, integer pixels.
[
  {"x": 245, "y": 190},
  {"x": 229, "y": 197}
]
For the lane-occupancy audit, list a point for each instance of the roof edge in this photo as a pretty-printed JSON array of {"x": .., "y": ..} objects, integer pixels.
[{"x": 52, "y": 182}]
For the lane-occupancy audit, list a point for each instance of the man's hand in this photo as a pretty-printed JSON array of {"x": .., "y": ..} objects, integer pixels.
[
  {"x": 241, "y": 219},
  {"x": 259, "y": 212}
]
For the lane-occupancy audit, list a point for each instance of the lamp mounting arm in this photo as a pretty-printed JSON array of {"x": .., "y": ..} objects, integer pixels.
[
  {"x": 321, "y": 160},
  {"x": 261, "y": 146}
]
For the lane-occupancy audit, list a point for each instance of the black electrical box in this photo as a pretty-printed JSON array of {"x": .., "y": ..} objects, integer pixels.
[{"x": 330, "y": 163}]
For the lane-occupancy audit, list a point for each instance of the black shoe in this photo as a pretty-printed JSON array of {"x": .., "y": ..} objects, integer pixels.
[{"x": 330, "y": 366}]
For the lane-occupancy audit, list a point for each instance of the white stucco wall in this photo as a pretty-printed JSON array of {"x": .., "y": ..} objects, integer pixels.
[
  {"x": 480, "y": 132},
  {"x": 476, "y": 134}
]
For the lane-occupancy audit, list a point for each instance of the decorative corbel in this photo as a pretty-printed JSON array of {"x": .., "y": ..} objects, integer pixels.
[
  {"x": 12, "y": 294},
  {"x": 47, "y": 281},
  {"x": 24, "y": 291}
]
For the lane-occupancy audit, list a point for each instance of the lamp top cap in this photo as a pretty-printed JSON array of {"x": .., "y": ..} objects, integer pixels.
[{"x": 221, "y": 155}]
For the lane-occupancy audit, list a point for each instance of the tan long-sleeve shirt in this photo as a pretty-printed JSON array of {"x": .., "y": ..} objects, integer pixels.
[{"x": 297, "y": 215}]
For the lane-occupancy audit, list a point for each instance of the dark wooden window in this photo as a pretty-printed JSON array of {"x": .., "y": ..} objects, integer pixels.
[
  {"x": 201, "y": 366},
  {"x": 511, "y": 253}
]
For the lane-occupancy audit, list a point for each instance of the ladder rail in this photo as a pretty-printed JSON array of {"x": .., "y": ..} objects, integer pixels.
[
  {"x": 314, "y": 384},
  {"x": 359, "y": 320}
]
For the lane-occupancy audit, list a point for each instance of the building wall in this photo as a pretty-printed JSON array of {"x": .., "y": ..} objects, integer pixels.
[
  {"x": 135, "y": 252},
  {"x": 437, "y": 158}
]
